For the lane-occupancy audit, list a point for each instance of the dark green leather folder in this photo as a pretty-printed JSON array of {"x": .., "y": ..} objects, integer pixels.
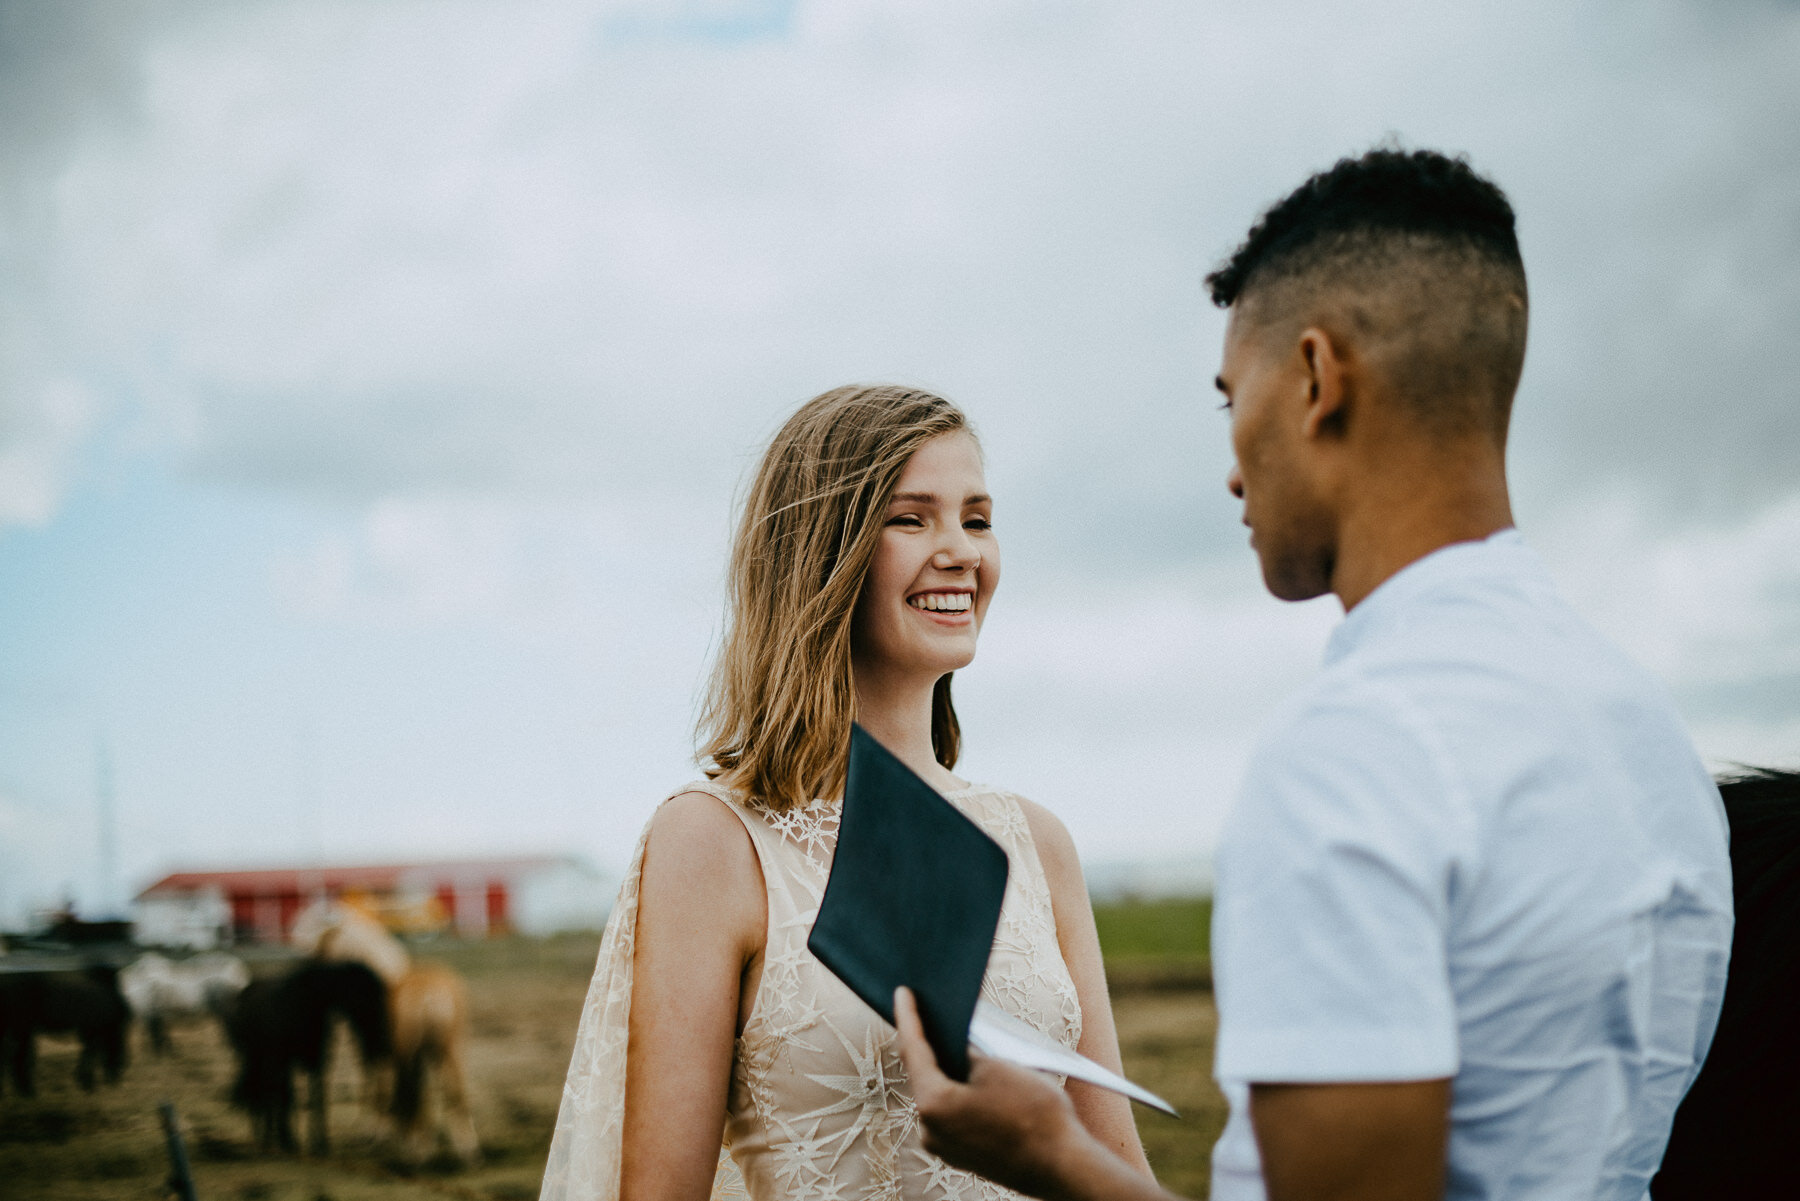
[{"x": 913, "y": 898}]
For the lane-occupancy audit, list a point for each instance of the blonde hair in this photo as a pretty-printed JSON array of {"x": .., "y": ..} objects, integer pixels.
[{"x": 776, "y": 720}]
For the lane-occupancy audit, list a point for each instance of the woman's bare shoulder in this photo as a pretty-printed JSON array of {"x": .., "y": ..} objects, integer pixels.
[
  {"x": 698, "y": 848},
  {"x": 701, "y": 830},
  {"x": 1051, "y": 837}
]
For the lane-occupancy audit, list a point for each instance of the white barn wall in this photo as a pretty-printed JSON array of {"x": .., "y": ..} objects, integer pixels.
[
  {"x": 198, "y": 920},
  {"x": 569, "y": 895}
]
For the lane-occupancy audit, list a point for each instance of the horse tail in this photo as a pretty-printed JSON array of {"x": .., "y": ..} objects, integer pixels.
[{"x": 409, "y": 1086}]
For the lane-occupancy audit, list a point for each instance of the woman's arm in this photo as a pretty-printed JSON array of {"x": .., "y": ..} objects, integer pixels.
[
  {"x": 702, "y": 919},
  {"x": 1106, "y": 1114}
]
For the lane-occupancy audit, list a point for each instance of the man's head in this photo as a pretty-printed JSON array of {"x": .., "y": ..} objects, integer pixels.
[{"x": 1378, "y": 319}]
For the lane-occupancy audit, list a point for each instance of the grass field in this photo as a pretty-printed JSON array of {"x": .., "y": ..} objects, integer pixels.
[{"x": 525, "y": 997}]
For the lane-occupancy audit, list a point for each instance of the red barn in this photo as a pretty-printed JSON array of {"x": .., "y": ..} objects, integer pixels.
[{"x": 534, "y": 894}]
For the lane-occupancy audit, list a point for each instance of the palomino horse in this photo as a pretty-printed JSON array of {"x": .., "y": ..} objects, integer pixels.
[{"x": 430, "y": 1023}]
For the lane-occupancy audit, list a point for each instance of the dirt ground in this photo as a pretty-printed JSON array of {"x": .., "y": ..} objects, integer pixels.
[{"x": 525, "y": 997}]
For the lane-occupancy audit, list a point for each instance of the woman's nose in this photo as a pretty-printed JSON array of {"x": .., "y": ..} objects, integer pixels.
[
  {"x": 1235, "y": 481},
  {"x": 958, "y": 551}
]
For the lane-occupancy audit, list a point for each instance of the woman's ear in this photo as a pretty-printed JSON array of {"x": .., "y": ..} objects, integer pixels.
[{"x": 1328, "y": 393}]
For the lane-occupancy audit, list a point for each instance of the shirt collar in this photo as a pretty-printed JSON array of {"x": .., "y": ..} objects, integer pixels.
[{"x": 1502, "y": 553}]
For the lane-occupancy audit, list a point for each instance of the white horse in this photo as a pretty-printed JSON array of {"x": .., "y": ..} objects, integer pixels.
[
  {"x": 428, "y": 1007},
  {"x": 158, "y": 989}
]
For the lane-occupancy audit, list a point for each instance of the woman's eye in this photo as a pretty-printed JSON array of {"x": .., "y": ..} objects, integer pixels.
[
  {"x": 907, "y": 519},
  {"x": 978, "y": 523}
]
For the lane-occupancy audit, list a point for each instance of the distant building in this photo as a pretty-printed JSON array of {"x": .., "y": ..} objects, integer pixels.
[{"x": 472, "y": 898}]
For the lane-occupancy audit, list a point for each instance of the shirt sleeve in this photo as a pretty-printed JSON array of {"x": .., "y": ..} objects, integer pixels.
[{"x": 1331, "y": 923}]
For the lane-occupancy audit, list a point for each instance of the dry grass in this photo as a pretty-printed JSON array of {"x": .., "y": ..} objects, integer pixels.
[
  {"x": 525, "y": 998},
  {"x": 1167, "y": 1039}
]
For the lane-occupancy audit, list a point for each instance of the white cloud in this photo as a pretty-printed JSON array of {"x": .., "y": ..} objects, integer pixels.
[
  {"x": 1701, "y": 604},
  {"x": 42, "y": 430},
  {"x": 1712, "y": 608},
  {"x": 410, "y": 562},
  {"x": 37, "y": 869},
  {"x": 419, "y": 248},
  {"x": 507, "y": 296},
  {"x": 1100, "y": 700}
]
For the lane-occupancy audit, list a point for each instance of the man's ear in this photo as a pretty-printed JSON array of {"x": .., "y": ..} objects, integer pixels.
[{"x": 1328, "y": 392}]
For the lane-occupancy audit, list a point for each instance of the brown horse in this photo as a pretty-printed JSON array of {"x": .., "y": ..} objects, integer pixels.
[
  {"x": 282, "y": 1024},
  {"x": 1730, "y": 1137},
  {"x": 428, "y": 1007},
  {"x": 86, "y": 1003}
]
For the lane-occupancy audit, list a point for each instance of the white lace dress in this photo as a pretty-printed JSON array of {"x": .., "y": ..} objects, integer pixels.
[{"x": 819, "y": 1109}]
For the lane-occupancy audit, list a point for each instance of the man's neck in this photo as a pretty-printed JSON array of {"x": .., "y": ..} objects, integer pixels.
[{"x": 1400, "y": 516}]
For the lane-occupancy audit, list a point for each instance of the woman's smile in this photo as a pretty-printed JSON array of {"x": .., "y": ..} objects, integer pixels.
[
  {"x": 934, "y": 570},
  {"x": 946, "y": 606}
]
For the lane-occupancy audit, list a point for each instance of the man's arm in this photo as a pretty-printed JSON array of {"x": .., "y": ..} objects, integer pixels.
[
  {"x": 1352, "y": 1142},
  {"x": 1013, "y": 1126},
  {"x": 1319, "y": 1142}
]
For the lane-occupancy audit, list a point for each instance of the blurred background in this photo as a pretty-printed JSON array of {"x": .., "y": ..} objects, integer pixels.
[{"x": 376, "y": 379}]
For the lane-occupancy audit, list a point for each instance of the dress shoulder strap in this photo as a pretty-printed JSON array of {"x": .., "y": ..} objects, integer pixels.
[
  {"x": 730, "y": 796},
  {"x": 1000, "y": 813},
  {"x": 753, "y": 819}
]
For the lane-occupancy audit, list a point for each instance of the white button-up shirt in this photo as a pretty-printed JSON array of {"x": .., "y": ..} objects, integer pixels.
[{"x": 1479, "y": 845}]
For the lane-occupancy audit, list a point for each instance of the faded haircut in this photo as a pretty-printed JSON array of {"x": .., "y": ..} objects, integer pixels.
[{"x": 1413, "y": 257}]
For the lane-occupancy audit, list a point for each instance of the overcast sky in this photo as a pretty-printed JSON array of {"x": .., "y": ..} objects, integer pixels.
[{"x": 376, "y": 378}]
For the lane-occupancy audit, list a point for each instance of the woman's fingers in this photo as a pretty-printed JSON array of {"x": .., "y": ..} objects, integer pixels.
[{"x": 928, "y": 1080}]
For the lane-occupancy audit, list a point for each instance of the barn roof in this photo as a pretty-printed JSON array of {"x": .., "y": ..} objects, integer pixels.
[{"x": 380, "y": 876}]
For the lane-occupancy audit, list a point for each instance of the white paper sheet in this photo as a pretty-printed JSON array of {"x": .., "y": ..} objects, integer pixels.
[{"x": 993, "y": 1031}]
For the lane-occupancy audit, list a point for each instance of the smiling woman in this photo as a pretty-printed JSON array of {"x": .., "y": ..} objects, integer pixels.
[
  {"x": 861, "y": 574},
  {"x": 822, "y": 505},
  {"x": 933, "y": 572}
]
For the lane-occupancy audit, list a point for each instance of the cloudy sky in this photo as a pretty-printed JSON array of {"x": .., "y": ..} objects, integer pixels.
[{"x": 375, "y": 381}]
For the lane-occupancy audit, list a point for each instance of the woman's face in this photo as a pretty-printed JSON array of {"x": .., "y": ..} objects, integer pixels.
[{"x": 935, "y": 568}]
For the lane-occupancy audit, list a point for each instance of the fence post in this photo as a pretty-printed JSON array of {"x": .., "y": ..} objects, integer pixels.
[{"x": 181, "y": 1178}]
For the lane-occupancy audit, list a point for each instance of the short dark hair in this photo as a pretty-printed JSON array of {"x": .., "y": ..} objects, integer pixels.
[
  {"x": 1413, "y": 255},
  {"x": 1385, "y": 191}
]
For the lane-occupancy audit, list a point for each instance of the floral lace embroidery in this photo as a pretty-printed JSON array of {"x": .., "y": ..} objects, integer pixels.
[{"x": 819, "y": 1109}]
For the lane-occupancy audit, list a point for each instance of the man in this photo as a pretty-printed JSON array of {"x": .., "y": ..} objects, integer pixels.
[{"x": 1473, "y": 905}]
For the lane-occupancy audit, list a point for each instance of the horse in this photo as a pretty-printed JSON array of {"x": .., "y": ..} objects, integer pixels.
[
  {"x": 280, "y": 1024},
  {"x": 158, "y": 989},
  {"x": 336, "y": 930},
  {"x": 86, "y": 1003},
  {"x": 428, "y": 1009},
  {"x": 1730, "y": 1135},
  {"x": 431, "y": 1030}
]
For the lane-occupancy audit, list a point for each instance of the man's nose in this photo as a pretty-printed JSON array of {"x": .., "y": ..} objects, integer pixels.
[{"x": 1235, "y": 481}]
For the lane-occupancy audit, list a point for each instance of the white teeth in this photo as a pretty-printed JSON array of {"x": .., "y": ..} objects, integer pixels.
[{"x": 942, "y": 602}]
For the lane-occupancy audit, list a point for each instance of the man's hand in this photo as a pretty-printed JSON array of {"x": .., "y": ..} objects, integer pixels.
[
  {"x": 1009, "y": 1124},
  {"x": 1006, "y": 1123}
]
